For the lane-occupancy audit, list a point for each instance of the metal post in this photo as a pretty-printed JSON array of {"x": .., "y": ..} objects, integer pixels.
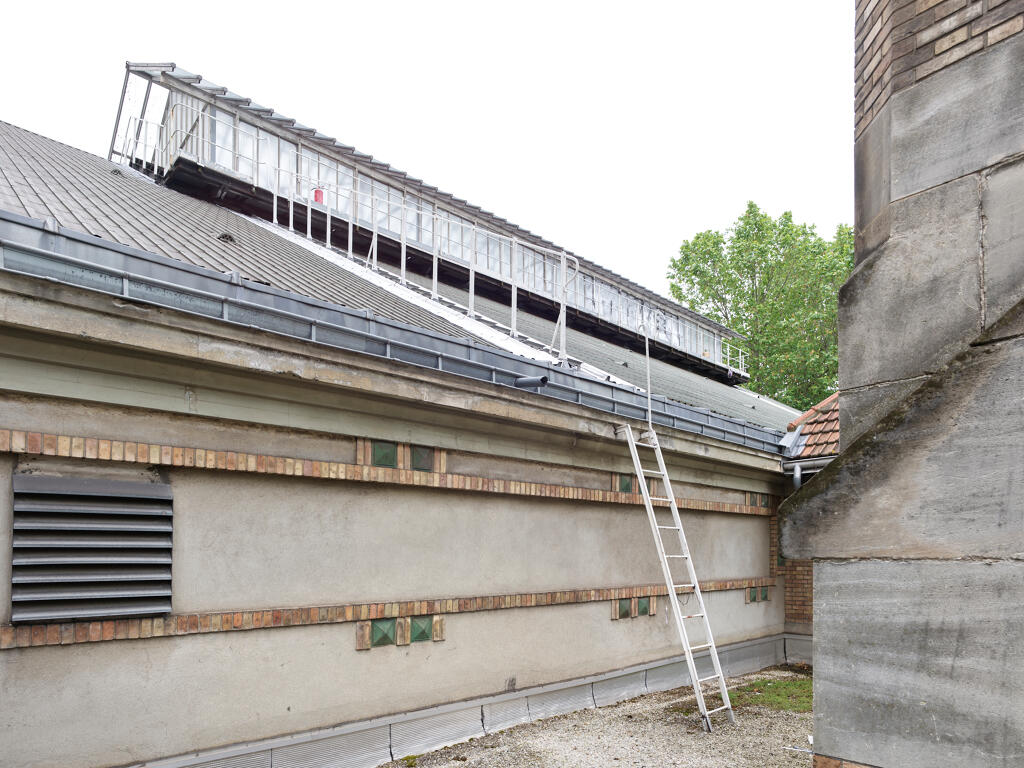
[
  {"x": 352, "y": 212},
  {"x": 277, "y": 185},
  {"x": 117, "y": 120},
  {"x": 373, "y": 218},
  {"x": 565, "y": 290},
  {"x": 437, "y": 247},
  {"x": 328, "y": 237},
  {"x": 472, "y": 281},
  {"x": 234, "y": 143},
  {"x": 403, "y": 238},
  {"x": 515, "y": 289}
]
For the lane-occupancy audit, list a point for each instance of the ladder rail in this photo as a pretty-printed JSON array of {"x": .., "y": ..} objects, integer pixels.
[
  {"x": 651, "y": 440},
  {"x": 702, "y": 609}
]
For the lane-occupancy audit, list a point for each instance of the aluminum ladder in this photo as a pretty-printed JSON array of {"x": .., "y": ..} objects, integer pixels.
[{"x": 649, "y": 440}]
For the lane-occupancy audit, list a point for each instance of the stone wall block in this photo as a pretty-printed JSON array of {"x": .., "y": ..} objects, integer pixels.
[
  {"x": 915, "y": 302},
  {"x": 1003, "y": 206}
]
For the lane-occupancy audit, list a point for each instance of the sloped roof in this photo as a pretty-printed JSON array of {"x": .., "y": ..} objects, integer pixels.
[
  {"x": 666, "y": 379},
  {"x": 819, "y": 430},
  {"x": 43, "y": 179}
]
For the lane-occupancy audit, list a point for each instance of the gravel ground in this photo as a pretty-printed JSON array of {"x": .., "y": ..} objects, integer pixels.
[{"x": 651, "y": 731}]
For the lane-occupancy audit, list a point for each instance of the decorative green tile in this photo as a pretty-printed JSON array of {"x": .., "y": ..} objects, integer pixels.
[
  {"x": 385, "y": 454},
  {"x": 753, "y": 594},
  {"x": 643, "y": 606},
  {"x": 382, "y": 632},
  {"x": 764, "y": 593},
  {"x": 422, "y": 628},
  {"x": 624, "y": 608},
  {"x": 625, "y": 483},
  {"x": 422, "y": 458}
]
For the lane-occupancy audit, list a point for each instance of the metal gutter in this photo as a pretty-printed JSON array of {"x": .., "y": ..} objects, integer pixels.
[{"x": 44, "y": 250}]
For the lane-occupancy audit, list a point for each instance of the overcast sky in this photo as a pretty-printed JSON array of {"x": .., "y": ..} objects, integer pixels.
[{"x": 615, "y": 130}]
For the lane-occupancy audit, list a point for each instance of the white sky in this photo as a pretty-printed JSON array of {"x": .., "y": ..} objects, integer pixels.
[{"x": 615, "y": 130}]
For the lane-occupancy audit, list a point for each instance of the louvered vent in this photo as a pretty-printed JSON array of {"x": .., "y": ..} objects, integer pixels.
[{"x": 87, "y": 549}]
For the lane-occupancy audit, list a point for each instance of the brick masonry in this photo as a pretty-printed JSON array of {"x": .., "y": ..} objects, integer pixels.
[
  {"x": 901, "y": 42},
  {"x": 799, "y": 579},
  {"x": 69, "y": 633},
  {"x": 108, "y": 449}
]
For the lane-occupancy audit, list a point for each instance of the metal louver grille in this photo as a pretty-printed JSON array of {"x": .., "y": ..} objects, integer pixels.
[{"x": 86, "y": 549}]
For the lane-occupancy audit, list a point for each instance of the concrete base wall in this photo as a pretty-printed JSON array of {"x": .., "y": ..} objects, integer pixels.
[
  {"x": 368, "y": 743},
  {"x": 919, "y": 663}
]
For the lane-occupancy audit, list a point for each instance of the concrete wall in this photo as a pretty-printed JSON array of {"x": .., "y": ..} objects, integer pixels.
[
  {"x": 118, "y": 702},
  {"x": 72, "y": 364},
  {"x": 293, "y": 542},
  {"x": 919, "y": 663},
  {"x": 245, "y": 541},
  {"x": 917, "y": 528},
  {"x": 939, "y": 184}
]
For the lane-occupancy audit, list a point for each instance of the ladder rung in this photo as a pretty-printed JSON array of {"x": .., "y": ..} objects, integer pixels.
[
  {"x": 653, "y": 473},
  {"x": 700, "y": 647},
  {"x": 670, "y": 528},
  {"x": 644, "y": 445},
  {"x": 694, "y": 616},
  {"x": 718, "y": 709},
  {"x": 705, "y": 679},
  {"x": 659, "y": 498},
  {"x": 680, "y": 586},
  {"x": 679, "y": 556}
]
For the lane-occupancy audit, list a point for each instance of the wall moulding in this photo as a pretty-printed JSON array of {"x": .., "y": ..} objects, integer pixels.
[
  {"x": 72, "y": 633},
  {"x": 101, "y": 449}
]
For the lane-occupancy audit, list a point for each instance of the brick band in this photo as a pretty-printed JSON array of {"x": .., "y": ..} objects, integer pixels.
[
  {"x": 69, "y": 633},
  {"x": 105, "y": 449}
]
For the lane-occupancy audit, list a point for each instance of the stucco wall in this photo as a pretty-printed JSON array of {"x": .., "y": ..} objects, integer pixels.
[{"x": 117, "y": 702}]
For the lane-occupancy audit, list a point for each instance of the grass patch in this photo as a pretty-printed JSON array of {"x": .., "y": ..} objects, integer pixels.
[
  {"x": 409, "y": 760},
  {"x": 793, "y": 695}
]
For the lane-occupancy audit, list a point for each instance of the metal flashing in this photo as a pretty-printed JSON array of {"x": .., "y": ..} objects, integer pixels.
[{"x": 136, "y": 275}]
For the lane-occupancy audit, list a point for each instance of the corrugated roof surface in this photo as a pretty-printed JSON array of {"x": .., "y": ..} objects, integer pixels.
[
  {"x": 819, "y": 429},
  {"x": 668, "y": 380},
  {"x": 42, "y": 178}
]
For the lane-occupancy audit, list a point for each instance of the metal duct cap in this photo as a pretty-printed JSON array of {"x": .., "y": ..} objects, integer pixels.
[{"x": 531, "y": 381}]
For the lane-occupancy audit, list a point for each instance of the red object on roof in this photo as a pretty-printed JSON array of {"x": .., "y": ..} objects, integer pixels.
[{"x": 819, "y": 433}]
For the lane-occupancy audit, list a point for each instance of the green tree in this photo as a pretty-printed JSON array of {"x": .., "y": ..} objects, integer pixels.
[{"x": 777, "y": 283}]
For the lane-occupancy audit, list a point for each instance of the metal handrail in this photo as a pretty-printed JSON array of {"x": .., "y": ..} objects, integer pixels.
[{"x": 162, "y": 147}]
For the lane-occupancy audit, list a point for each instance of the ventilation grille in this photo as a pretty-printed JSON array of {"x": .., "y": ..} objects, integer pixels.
[{"x": 86, "y": 549}]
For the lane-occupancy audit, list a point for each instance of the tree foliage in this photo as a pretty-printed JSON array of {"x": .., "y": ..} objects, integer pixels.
[{"x": 777, "y": 283}]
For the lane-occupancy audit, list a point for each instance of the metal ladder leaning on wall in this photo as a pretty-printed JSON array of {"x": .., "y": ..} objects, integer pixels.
[{"x": 649, "y": 441}]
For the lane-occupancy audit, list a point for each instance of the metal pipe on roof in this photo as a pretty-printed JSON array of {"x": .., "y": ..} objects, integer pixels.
[{"x": 531, "y": 381}]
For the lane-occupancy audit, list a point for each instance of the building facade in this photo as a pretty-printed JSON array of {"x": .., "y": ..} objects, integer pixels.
[{"x": 264, "y": 502}]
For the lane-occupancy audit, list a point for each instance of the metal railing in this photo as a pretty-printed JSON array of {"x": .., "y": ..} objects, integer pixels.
[{"x": 241, "y": 150}]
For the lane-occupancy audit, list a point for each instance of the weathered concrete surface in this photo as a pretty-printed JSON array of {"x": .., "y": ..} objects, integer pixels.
[
  {"x": 1003, "y": 206},
  {"x": 919, "y": 664},
  {"x": 871, "y": 184},
  {"x": 963, "y": 118},
  {"x": 92, "y": 335},
  {"x": 860, "y": 409},
  {"x": 941, "y": 477},
  {"x": 117, "y": 702},
  {"x": 328, "y": 542},
  {"x": 916, "y": 302}
]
